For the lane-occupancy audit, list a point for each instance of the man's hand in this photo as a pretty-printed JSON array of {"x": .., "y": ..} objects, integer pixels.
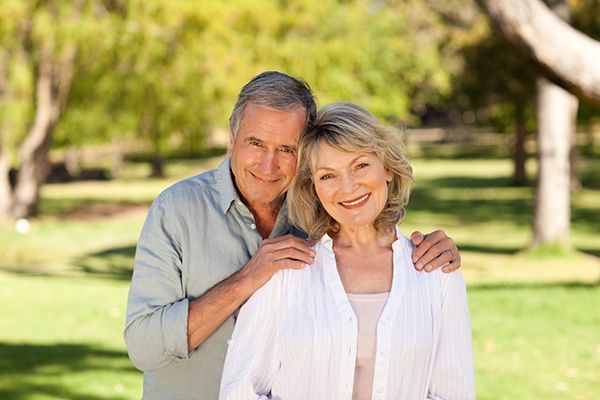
[
  {"x": 284, "y": 252},
  {"x": 435, "y": 250},
  {"x": 208, "y": 312}
]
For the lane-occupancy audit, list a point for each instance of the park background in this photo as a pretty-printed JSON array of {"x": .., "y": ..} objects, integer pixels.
[{"x": 104, "y": 103}]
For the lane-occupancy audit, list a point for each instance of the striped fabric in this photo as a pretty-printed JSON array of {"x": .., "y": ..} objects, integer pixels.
[{"x": 296, "y": 338}]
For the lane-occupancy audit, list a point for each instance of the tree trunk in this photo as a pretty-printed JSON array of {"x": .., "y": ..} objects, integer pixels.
[
  {"x": 562, "y": 54},
  {"x": 519, "y": 152},
  {"x": 556, "y": 113},
  {"x": 555, "y": 110},
  {"x": 575, "y": 181},
  {"x": 6, "y": 192},
  {"x": 53, "y": 82}
]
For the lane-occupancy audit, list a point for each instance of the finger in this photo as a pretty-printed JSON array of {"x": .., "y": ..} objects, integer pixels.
[
  {"x": 443, "y": 259},
  {"x": 433, "y": 252},
  {"x": 417, "y": 238},
  {"x": 290, "y": 243},
  {"x": 293, "y": 264},
  {"x": 430, "y": 240},
  {"x": 452, "y": 266},
  {"x": 293, "y": 254},
  {"x": 288, "y": 237}
]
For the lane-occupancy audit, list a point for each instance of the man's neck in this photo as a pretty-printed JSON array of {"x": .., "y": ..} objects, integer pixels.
[{"x": 265, "y": 218}]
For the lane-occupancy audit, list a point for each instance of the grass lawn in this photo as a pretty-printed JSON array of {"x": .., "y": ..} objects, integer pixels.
[{"x": 536, "y": 324}]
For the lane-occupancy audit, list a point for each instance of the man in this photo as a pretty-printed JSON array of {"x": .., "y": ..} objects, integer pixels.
[{"x": 211, "y": 241}]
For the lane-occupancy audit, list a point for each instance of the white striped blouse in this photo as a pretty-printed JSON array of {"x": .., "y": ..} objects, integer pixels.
[{"x": 296, "y": 337}]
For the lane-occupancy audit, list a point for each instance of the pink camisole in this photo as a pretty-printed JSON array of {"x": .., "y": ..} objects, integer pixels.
[{"x": 368, "y": 308}]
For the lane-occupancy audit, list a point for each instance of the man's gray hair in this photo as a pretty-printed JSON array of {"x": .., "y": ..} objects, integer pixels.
[{"x": 277, "y": 91}]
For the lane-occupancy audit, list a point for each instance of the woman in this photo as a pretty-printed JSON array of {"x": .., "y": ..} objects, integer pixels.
[{"x": 360, "y": 322}]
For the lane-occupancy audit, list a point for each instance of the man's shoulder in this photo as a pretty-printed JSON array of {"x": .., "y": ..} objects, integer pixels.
[{"x": 195, "y": 188}]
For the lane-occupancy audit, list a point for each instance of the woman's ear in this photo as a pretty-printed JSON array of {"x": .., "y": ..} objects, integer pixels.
[{"x": 389, "y": 175}]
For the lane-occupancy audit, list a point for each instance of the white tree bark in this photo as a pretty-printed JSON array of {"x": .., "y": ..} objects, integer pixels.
[
  {"x": 556, "y": 109},
  {"x": 562, "y": 54}
]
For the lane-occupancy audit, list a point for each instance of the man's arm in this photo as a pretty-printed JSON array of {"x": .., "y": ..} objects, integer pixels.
[
  {"x": 162, "y": 324},
  {"x": 209, "y": 311},
  {"x": 434, "y": 250}
]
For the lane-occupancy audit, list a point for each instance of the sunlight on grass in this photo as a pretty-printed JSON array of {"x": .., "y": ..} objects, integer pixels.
[{"x": 535, "y": 319}]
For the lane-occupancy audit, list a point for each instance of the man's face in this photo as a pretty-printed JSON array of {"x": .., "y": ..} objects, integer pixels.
[{"x": 263, "y": 155}]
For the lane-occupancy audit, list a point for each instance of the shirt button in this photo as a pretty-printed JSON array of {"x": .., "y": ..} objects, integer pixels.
[
  {"x": 384, "y": 353},
  {"x": 252, "y": 226},
  {"x": 380, "y": 390}
]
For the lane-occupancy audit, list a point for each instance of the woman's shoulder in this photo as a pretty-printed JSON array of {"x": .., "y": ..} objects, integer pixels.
[{"x": 404, "y": 249}]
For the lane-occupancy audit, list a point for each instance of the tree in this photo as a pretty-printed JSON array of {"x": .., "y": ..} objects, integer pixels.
[
  {"x": 562, "y": 54},
  {"x": 38, "y": 65},
  {"x": 499, "y": 86}
]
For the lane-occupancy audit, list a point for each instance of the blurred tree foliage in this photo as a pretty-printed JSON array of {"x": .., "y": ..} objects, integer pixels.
[{"x": 167, "y": 72}]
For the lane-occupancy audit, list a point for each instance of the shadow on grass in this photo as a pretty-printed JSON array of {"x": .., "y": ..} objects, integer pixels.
[
  {"x": 471, "y": 210},
  {"x": 590, "y": 251},
  {"x": 463, "y": 182},
  {"x": 27, "y": 369},
  {"x": 114, "y": 263},
  {"x": 489, "y": 249},
  {"x": 535, "y": 286}
]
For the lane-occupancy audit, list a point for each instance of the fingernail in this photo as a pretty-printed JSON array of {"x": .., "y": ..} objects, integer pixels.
[
  {"x": 414, "y": 259},
  {"x": 446, "y": 269},
  {"x": 428, "y": 268},
  {"x": 419, "y": 266}
]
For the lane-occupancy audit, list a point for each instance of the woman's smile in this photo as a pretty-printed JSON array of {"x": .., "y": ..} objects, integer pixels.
[{"x": 358, "y": 202}]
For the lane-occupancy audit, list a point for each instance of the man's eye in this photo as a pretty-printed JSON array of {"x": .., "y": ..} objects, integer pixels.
[
  {"x": 254, "y": 143},
  {"x": 287, "y": 150}
]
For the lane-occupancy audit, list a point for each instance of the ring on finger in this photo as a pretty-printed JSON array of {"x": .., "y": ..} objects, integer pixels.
[{"x": 452, "y": 252}]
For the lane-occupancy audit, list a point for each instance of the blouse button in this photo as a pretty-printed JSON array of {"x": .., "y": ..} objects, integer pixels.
[
  {"x": 384, "y": 353},
  {"x": 380, "y": 390}
]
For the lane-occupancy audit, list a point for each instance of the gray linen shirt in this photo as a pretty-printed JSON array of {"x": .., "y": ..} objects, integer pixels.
[{"x": 197, "y": 233}]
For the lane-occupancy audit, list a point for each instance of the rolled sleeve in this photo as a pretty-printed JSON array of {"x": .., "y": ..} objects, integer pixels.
[
  {"x": 157, "y": 309},
  {"x": 453, "y": 373}
]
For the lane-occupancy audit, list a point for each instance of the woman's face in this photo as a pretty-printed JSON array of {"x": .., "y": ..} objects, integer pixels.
[{"x": 352, "y": 186}]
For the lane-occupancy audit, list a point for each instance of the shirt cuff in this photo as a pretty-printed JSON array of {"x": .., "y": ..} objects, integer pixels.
[{"x": 174, "y": 327}]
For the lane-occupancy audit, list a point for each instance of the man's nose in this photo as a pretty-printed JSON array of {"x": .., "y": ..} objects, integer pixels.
[{"x": 268, "y": 161}]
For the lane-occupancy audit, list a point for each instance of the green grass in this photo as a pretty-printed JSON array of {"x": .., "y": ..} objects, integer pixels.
[{"x": 535, "y": 315}]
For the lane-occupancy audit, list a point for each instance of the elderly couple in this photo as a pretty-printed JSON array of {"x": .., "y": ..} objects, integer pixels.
[{"x": 300, "y": 224}]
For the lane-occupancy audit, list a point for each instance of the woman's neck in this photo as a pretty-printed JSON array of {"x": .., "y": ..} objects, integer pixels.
[{"x": 363, "y": 239}]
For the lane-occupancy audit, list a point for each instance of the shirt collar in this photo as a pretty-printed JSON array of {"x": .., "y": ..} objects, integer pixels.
[{"x": 226, "y": 186}]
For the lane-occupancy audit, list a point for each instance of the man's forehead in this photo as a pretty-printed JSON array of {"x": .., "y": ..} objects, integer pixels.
[{"x": 267, "y": 124}]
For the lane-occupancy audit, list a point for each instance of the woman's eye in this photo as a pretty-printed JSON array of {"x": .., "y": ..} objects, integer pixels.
[
  {"x": 362, "y": 165},
  {"x": 325, "y": 177}
]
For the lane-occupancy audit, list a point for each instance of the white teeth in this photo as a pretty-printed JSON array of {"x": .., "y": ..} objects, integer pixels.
[{"x": 355, "y": 202}]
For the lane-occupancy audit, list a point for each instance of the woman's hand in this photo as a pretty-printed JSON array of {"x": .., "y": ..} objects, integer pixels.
[{"x": 434, "y": 250}]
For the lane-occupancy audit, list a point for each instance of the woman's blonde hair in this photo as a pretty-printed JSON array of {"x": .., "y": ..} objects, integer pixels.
[{"x": 347, "y": 127}]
